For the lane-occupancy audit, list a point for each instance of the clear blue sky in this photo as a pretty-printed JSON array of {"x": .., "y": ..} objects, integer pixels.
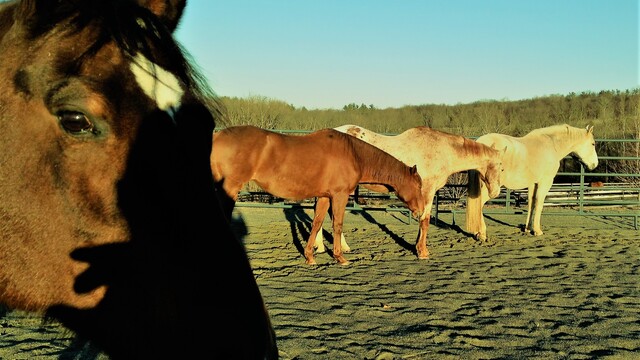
[{"x": 324, "y": 54}]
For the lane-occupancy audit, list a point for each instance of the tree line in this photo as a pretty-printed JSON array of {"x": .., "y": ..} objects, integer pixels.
[{"x": 615, "y": 114}]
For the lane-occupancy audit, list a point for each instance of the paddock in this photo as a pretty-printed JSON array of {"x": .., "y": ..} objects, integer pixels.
[{"x": 570, "y": 293}]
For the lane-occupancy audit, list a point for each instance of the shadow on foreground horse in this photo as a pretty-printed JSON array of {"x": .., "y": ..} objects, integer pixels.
[
  {"x": 531, "y": 161},
  {"x": 109, "y": 220},
  {"x": 437, "y": 155},
  {"x": 326, "y": 164}
]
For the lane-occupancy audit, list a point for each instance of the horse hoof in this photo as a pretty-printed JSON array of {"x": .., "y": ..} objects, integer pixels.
[
  {"x": 311, "y": 262},
  {"x": 342, "y": 260},
  {"x": 423, "y": 256},
  {"x": 347, "y": 250},
  {"x": 346, "y": 262}
]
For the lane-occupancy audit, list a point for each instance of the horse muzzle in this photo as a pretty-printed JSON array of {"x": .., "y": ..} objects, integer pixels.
[
  {"x": 589, "y": 165},
  {"x": 494, "y": 192}
]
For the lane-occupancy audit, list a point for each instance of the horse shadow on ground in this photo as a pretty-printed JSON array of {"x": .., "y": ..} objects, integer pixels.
[
  {"x": 503, "y": 223},
  {"x": 300, "y": 226},
  {"x": 239, "y": 227}
]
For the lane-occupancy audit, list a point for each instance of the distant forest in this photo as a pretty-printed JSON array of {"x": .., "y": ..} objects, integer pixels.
[{"x": 615, "y": 115}]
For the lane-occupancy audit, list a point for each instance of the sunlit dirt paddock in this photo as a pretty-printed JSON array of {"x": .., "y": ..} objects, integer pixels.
[{"x": 572, "y": 293}]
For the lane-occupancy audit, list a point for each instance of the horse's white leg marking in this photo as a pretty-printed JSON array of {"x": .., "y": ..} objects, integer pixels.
[
  {"x": 159, "y": 84},
  {"x": 343, "y": 243},
  {"x": 319, "y": 243}
]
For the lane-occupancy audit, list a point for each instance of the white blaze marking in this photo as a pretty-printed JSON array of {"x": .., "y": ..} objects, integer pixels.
[{"x": 157, "y": 83}]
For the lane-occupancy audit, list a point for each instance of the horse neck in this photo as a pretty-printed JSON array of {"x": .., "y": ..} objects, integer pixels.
[
  {"x": 472, "y": 155},
  {"x": 564, "y": 142},
  {"x": 378, "y": 167}
]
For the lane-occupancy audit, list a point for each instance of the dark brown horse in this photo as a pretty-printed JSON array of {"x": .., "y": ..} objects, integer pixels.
[
  {"x": 326, "y": 164},
  {"x": 109, "y": 221}
]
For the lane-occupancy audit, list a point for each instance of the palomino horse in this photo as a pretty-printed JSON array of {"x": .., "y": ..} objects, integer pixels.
[
  {"x": 108, "y": 214},
  {"x": 530, "y": 161},
  {"x": 325, "y": 164},
  {"x": 437, "y": 155}
]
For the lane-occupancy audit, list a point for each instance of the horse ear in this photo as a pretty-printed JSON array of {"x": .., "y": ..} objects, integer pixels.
[
  {"x": 169, "y": 11},
  {"x": 414, "y": 169},
  {"x": 589, "y": 129}
]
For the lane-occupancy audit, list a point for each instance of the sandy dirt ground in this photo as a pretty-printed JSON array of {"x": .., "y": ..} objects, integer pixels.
[{"x": 572, "y": 293}]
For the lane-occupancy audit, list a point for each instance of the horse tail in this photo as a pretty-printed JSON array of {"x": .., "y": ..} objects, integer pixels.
[{"x": 474, "y": 206}]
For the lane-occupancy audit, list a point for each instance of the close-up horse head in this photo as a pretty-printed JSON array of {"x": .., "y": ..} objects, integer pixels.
[
  {"x": 412, "y": 195},
  {"x": 108, "y": 212}
]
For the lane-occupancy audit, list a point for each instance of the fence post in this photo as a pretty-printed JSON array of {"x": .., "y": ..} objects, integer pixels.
[{"x": 581, "y": 194}]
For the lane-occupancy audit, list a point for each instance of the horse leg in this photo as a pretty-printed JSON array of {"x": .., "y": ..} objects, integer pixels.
[
  {"x": 541, "y": 194},
  {"x": 531, "y": 195},
  {"x": 477, "y": 196},
  {"x": 484, "y": 197},
  {"x": 319, "y": 242},
  {"x": 425, "y": 220},
  {"x": 338, "y": 205},
  {"x": 320, "y": 210}
]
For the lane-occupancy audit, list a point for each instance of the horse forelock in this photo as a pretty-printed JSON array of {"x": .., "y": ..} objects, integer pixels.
[{"x": 135, "y": 30}]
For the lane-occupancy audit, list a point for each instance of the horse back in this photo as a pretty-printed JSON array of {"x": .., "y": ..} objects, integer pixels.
[{"x": 289, "y": 166}]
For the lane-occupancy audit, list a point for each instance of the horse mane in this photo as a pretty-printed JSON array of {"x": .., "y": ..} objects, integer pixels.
[
  {"x": 376, "y": 162},
  {"x": 553, "y": 130},
  {"x": 474, "y": 149},
  {"x": 558, "y": 133}
]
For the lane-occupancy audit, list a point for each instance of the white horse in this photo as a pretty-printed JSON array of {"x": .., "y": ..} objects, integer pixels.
[
  {"x": 531, "y": 161},
  {"x": 437, "y": 155}
]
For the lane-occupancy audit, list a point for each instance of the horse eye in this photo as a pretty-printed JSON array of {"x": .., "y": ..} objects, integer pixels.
[{"x": 75, "y": 122}]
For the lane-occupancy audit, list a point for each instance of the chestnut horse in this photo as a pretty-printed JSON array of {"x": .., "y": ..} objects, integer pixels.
[
  {"x": 108, "y": 214},
  {"x": 326, "y": 164},
  {"x": 531, "y": 161},
  {"x": 438, "y": 155}
]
